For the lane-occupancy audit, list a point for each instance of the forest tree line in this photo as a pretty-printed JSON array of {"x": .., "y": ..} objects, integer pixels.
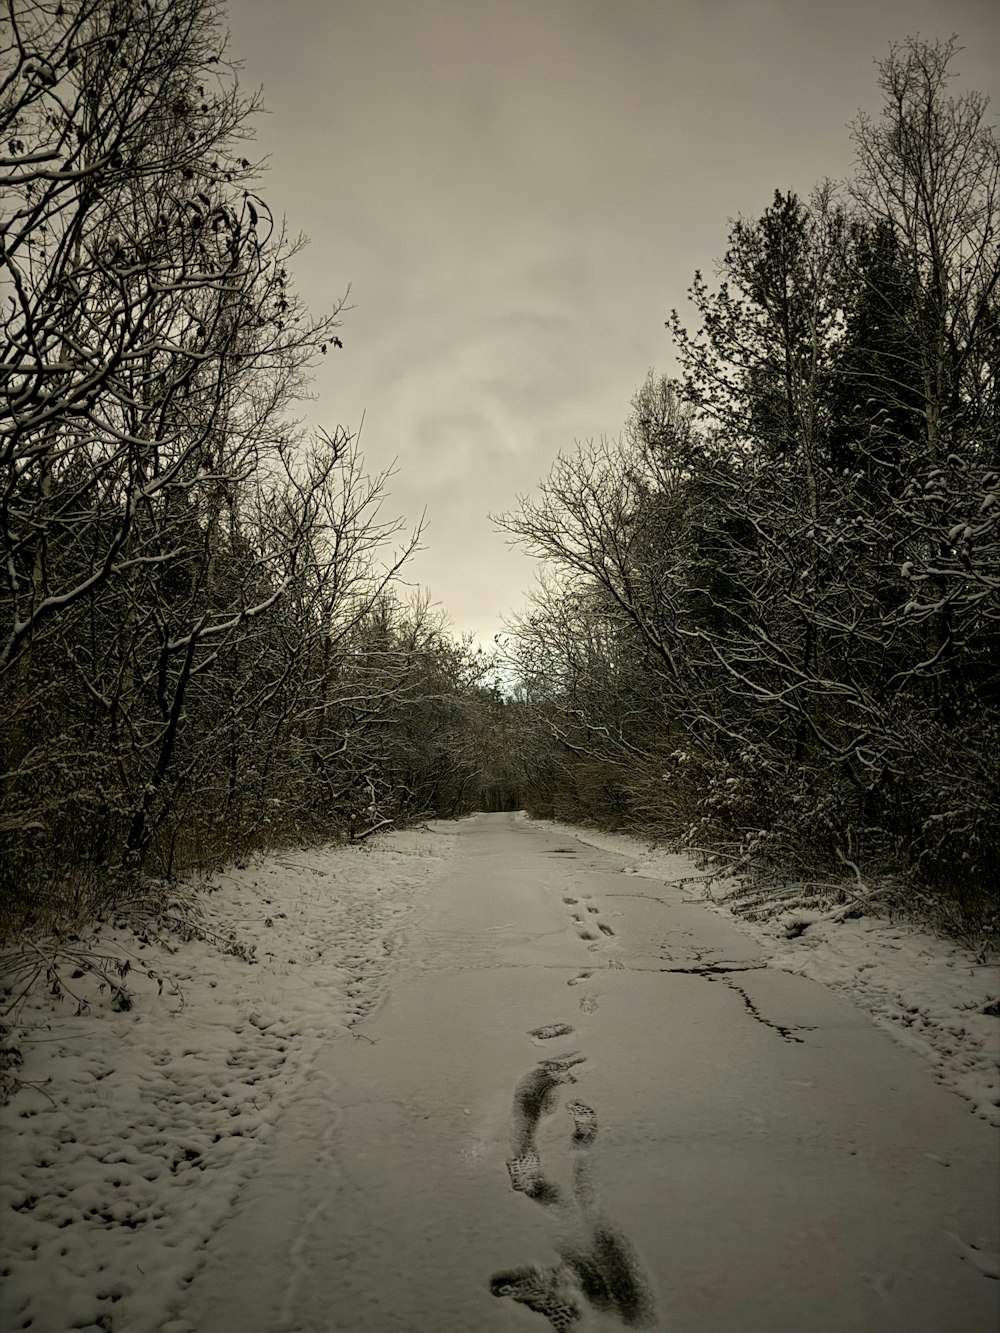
[
  {"x": 205, "y": 644},
  {"x": 767, "y": 625}
]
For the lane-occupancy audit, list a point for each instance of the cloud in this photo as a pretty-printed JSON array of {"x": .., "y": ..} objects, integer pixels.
[{"x": 519, "y": 193}]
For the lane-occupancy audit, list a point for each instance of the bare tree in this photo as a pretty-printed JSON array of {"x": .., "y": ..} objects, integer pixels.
[
  {"x": 770, "y": 626},
  {"x": 930, "y": 169}
]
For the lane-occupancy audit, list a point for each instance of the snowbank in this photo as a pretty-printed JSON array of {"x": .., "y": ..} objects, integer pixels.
[
  {"x": 133, "y": 1132},
  {"x": 935, "y": 997}
]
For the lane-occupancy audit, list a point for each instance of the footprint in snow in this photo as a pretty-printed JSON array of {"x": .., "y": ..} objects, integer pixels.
[
  {"x": 543, "y": 1290},
  {"x": 526, "y": 1178},
  {"x": 610, "y": 1277},
  {"x": 599, "y": 1266},
  {"x": 536, "y": 1095},
  {"x": 584, "y": 1124},
  {"x": 525, "y": 1171},
  {"x": 549, "y": 1030}
]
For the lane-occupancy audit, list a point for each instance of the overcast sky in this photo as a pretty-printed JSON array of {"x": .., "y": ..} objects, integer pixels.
[{"x": 518, "y": 191}]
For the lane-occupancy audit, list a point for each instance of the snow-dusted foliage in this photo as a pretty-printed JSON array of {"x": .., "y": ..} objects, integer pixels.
[
  {"x": 771, "y": 623},
  {"x": 203, "y": 646}
]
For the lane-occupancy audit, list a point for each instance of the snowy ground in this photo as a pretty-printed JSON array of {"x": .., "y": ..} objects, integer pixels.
[
  {"x": 133, "y": 1132},
  {"x": 937, "y": 998}
]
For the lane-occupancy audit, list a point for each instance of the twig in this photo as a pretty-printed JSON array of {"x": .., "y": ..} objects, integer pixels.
[
  {"x": 38, "y": 1088},
  {"x": 357, "y": 837}
]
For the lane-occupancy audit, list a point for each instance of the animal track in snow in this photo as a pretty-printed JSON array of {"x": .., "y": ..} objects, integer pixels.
[
  {"x": 571, "y": 902},
  {"x": 606, "y": 930},
  {"x": 588, "y": 1004},
  {"x": 593, "y": 909},
  {"x": 586, "y": 935},
  {"x": 581, "y": 976}
]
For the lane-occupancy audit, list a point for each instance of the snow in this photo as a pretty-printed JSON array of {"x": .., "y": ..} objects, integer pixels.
[
  {"x": 932, "y": 995},
  {"x": 133, "y": 1132},
  {"x": 137, "y": 1136}
]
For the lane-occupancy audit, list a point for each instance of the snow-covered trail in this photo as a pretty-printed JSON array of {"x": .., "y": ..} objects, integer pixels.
[{"x": 583, "y": 1092}]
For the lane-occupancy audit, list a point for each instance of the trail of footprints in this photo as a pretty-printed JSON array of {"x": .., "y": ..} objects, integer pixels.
[
  {"x": 585, "y": 917},
  {"x": 584, "y": 927},
  {"x": 597, "y": 1266}
]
